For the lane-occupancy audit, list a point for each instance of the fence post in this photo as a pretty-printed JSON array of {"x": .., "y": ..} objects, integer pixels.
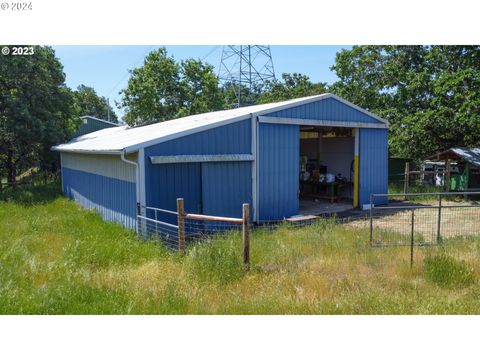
[
  {"x": 371, "y": 219},
  {"x": 439, "y": 220},
  {"x": 412, "y": 238},
  {"x": 406, "y": 179},
  {"x": 246, "y": 236},
  {"x": 138, "y": 219},
  {"x": 446, "y": 178},
  {"x": 181, "y": 226}
]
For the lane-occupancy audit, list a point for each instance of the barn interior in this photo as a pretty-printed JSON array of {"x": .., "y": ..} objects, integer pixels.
[{"x": 326, "y": 169}]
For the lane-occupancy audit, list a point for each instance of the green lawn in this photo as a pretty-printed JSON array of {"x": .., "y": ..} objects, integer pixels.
[{"x": 58, "y": 259}]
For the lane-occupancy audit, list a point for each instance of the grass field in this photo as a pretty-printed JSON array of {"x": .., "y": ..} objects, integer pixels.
[{"x": 58, "y": 259}]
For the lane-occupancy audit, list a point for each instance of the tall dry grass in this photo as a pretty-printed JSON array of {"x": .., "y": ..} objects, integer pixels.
[{"x": 58, "y": 259}]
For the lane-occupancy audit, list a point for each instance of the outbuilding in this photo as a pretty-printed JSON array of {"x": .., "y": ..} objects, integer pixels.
[
  {"x": 465, "y": 176},
  {"x": 90, "y": 124},
  {"x": 282, "y": 158}
]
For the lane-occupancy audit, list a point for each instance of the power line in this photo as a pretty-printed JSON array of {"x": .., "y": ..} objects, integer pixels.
[
  {"x": 211, "y": 52},
  {"x": 128, "y": 73}
]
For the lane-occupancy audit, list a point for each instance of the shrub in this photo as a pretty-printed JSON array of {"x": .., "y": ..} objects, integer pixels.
[{"x": 446, "y": 271}]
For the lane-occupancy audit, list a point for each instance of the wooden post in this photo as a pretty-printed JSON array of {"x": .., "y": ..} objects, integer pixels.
[
  {"x": 447, "y": 175},
  {"x": 406, "y": 180},
  {"x": 412, "y": 236},
  {"x": 181, "y": 226},
  {"x": 246, "y": 236},
  {"x": 439, "y": 218}
]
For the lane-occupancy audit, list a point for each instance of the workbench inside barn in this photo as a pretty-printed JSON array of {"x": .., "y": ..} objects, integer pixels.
[{"x": 322, "y": 190}]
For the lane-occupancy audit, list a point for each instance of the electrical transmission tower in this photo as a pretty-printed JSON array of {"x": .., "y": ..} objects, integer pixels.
[{"x": 246, "y": 68}]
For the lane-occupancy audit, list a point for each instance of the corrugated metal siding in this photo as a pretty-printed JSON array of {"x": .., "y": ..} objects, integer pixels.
[
  {"x": 225, "y": 187},
  {"x": 279, "y": 151},
  {"x": 229, "y": 139},
  {"x": 114, "y": 199},
  {"x": 91, "y": 126},
  {"x": 327, "y": 109},
  {"x": 105, "y": 165},
  {"x": 373, "y": 164},
  {"x": 166, "y": 182}
]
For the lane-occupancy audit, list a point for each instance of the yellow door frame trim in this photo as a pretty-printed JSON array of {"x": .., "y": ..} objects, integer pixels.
[{"x": 356, "y": 168}]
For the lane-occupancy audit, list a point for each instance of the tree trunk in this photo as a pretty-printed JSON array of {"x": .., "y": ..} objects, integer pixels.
[{"x": 11, "y": 169}]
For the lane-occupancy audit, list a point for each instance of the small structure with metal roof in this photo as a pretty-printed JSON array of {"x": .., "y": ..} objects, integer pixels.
[
  {"x": 470, "y": 155},
  {"x": 91, "y": 124},
  {"x": 468, "y": 164},
  {"x": 216, "y": 161}
]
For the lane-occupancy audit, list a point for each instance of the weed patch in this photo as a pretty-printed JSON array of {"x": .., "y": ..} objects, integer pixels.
[
  {"x": 218, "y": 260},
  {"x": 445, "y": 271}
]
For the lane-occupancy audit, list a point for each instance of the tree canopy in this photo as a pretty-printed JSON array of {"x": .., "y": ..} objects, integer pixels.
[
  {"x": 89, "y": 103},
  {"x": 290, "y": 87},
  {"x": 429, "y": 94},
  {"x": 36, "y": 109},
  {"x": 163, "y": 89}
]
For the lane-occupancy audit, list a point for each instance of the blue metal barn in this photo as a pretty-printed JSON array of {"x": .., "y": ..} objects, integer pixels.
[{"x": 219, "y": 160}]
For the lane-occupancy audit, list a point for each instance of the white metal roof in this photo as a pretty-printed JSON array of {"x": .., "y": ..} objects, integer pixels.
[{"x": 126, "y": 139}]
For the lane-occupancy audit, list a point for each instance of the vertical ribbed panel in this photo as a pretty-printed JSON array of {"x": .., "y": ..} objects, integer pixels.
[
  {"x": 114, "y": 199},
  {"x": 226, "y": 185},
  {"x": 167, "y": 182},
  {"x": 373, "y": 164},
  {"x": 326, "y": 109},
  {"x": 229, "y": 139},
  {"x": 279, "y": 151}
]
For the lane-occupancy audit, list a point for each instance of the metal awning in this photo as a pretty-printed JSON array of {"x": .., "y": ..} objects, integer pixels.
[
  {"x": 174, "y": 159},
  {"x": 470, "y": 155}
]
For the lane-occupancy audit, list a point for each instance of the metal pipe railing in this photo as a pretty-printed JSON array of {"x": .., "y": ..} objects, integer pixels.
[
  {"x": 430, "y": 194},
  {"x": 160, "y": 210}
]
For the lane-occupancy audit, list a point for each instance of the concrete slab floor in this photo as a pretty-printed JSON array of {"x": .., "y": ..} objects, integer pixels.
[{"x": 318, "y": 207}]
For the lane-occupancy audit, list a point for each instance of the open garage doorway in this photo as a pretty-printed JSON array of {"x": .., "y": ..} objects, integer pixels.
[{"x": 327, "y": 170}]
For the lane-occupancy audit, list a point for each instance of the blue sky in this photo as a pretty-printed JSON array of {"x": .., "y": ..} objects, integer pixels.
[{"x": 105, "y": 68}]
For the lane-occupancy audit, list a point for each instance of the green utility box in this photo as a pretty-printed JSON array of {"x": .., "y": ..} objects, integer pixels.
[{"x": 459, "y": 182}]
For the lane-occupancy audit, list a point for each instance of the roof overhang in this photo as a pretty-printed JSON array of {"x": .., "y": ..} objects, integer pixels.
[
  {"x": 91, "y": 152},
  {"x": 444, "y": 155},
  {"x": 470, "y": 155}
]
